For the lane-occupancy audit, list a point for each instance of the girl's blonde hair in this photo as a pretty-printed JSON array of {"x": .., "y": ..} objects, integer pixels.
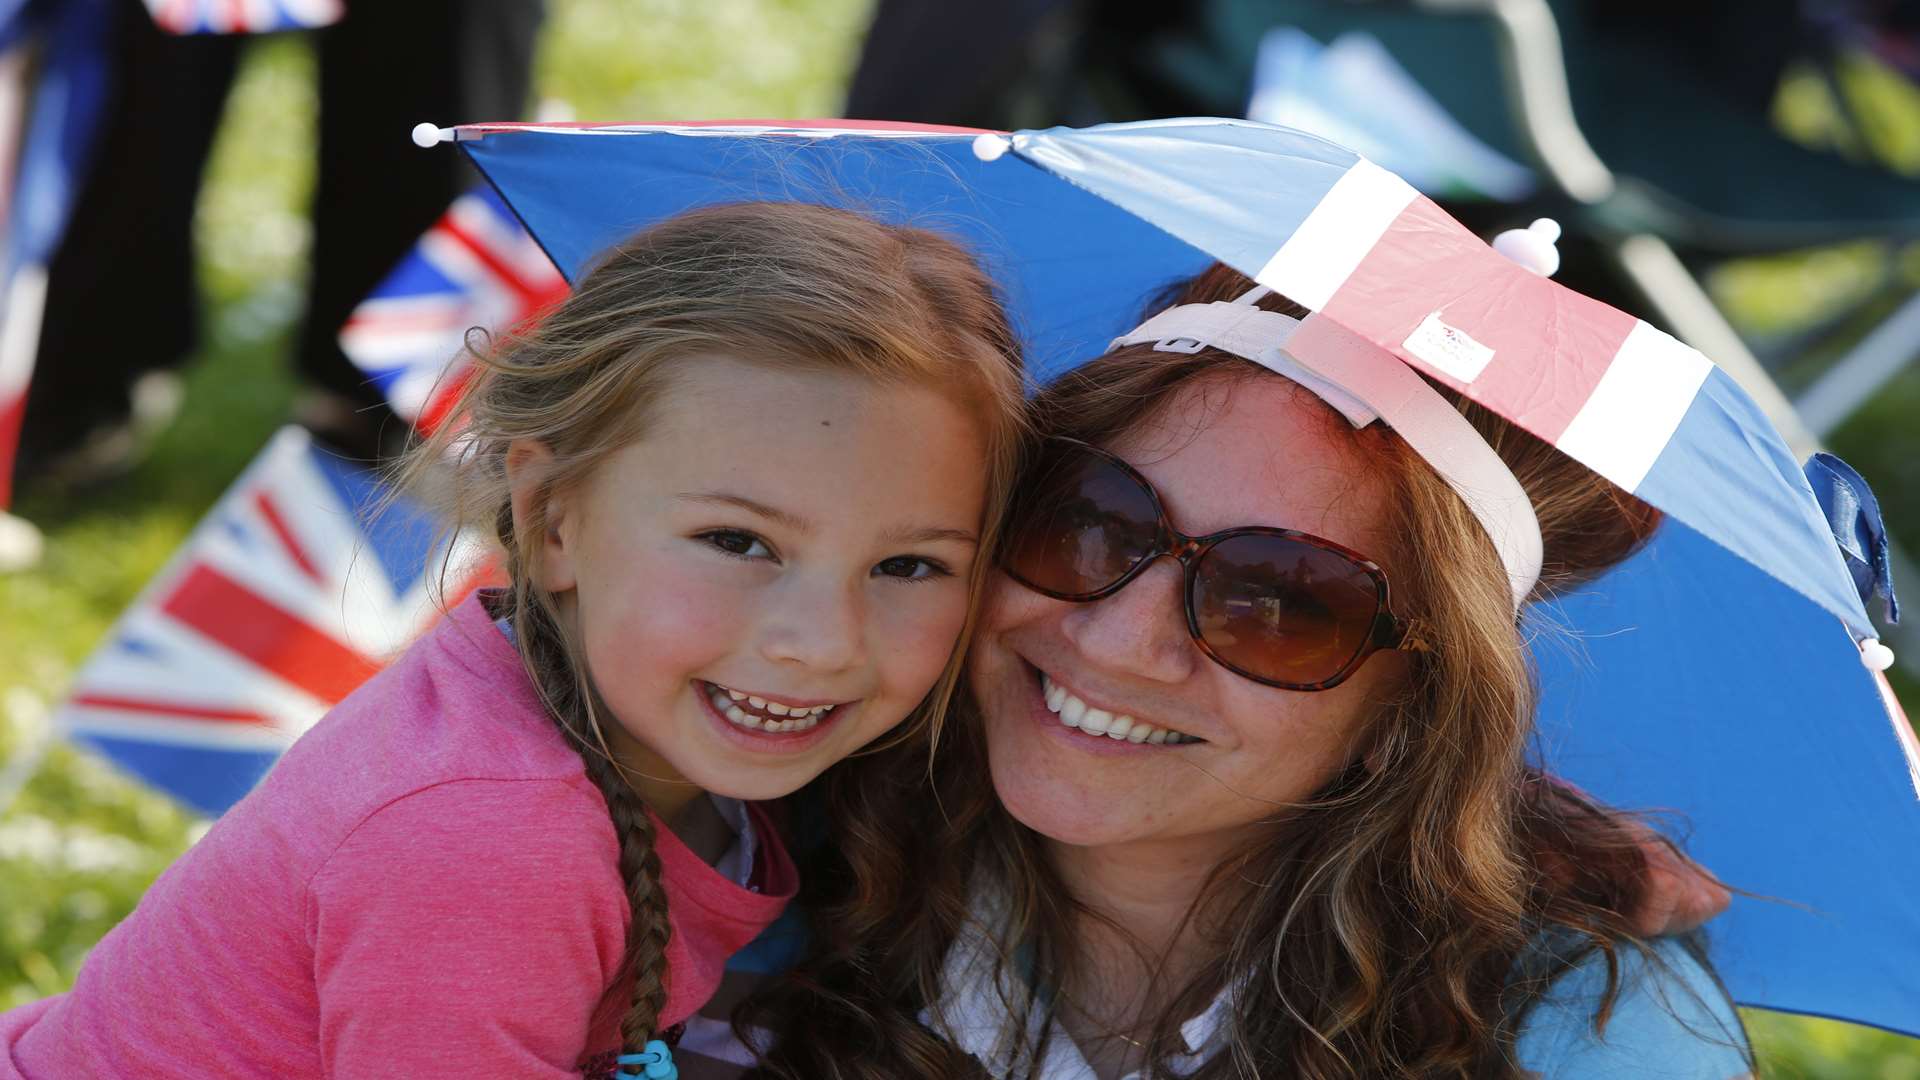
[{"x": 788, "y": 285}]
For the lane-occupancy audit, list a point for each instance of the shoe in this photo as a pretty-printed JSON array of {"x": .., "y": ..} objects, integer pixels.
[
  {"x": 20, "y": 544},
  {"x": 112, "y": 448}
]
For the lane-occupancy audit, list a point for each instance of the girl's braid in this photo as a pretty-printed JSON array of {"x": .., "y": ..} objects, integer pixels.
[
  {"x": 566, "y": 691},
  {"x": 647, "y": 930}
]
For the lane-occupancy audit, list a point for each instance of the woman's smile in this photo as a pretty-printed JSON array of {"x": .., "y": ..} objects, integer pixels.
[{"x": 1075, "y": 713}]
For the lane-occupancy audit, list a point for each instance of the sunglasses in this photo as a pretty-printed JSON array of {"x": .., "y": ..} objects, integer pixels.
[{"x": 1280, "y": 607}]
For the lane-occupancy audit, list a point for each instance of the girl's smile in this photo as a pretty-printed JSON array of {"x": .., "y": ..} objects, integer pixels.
[
  {"x": 775, "y": 574},
  {"x": 758, "y": 730}
]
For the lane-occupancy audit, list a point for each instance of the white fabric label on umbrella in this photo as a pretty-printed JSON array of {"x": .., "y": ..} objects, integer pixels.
[{"x": 1449, "y": 349}]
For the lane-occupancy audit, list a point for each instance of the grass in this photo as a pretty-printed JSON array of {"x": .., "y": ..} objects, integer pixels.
[{"x": 81, "y": 844}]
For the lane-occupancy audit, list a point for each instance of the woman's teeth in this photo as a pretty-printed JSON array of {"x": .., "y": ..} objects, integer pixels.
[
  {"x": 759, "y": 714},
  {"x": 1078, "y": 714}
]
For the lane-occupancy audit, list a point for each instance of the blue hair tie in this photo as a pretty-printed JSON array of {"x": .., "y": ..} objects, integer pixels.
[{"x": 656, "y": 1063}]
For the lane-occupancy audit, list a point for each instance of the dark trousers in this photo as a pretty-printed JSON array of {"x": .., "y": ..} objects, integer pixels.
[{"x": 121, "y": 298}]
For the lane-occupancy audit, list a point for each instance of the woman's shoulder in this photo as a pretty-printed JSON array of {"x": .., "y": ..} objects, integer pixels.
[{"x": 1669, "y": 1019}]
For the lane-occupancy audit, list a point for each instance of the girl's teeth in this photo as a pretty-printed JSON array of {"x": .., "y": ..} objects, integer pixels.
[
  {"x": 1075, "y": 713},
  {"x": 729, "y": 704}
]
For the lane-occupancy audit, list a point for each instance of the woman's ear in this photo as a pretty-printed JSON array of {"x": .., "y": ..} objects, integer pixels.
[{"x": 541, "y": 521}]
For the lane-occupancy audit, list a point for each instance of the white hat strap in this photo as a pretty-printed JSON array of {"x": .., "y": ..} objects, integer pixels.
[{"x": 1364, "y": 382}]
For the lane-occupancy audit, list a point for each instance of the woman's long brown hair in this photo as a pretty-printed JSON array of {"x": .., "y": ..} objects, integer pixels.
[
  {"x": 787, "y": 285},
  {"x": 1377, "y": 928}
]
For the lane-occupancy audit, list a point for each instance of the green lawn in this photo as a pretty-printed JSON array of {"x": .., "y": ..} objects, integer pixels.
[{"x": 80, "y": 844}]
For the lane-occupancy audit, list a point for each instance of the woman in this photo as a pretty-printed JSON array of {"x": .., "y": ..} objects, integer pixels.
[{"x": 1322, "y": 855}]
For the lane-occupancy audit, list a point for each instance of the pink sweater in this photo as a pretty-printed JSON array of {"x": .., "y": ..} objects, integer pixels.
[{"x": 425, "y": 885}]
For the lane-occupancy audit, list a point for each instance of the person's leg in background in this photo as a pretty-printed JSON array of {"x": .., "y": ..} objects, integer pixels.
[
  {"x": 384, "y": 68},
  {"x": 121, "y": 299}
]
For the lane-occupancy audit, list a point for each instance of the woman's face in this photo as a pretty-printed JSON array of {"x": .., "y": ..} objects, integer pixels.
[{"x": 1226, "y": 453}]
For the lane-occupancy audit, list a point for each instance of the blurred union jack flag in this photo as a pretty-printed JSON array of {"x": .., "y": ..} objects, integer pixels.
[
  {"x": 242, "y": 16},
  {"x": 286, "y": 597},
  {"x": 476, "y": 267}
]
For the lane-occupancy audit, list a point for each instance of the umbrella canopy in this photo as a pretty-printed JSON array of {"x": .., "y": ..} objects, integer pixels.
[{"x": 1718, "y": 675}]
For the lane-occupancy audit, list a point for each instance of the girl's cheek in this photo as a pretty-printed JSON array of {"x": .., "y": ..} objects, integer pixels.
[
  {"x": 918, "y": 637},
  {"x": 675, "y": 620}
]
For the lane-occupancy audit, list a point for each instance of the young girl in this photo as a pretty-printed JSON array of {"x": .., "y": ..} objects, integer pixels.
[{"x": 744, "y": 477}]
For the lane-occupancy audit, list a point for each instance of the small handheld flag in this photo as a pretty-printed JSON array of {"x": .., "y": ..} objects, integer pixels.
[
  {"x": 476, "y": 267},
  {"x": 288, "y": 595},
  {"x": 242, "y": 16}
]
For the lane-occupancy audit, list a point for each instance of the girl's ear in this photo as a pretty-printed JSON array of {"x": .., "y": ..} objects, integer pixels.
[{"x": 540, "y": 518}]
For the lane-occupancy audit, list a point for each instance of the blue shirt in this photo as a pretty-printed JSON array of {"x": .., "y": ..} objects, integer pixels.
[{"x": 1670, "y": 1021}]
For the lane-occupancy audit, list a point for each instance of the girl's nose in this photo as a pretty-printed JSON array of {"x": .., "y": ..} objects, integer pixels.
[
  {"x": 1140, "y": 630},
  {"x": 817, "y": 625}
]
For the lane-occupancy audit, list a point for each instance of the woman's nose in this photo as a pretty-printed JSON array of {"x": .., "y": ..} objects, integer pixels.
[
  {"x": 820, "y": 625},
  {"x": 1140, "y": 630}
]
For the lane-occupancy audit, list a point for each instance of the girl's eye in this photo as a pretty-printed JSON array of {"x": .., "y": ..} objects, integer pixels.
[
  {"x": 741, "y": 545},
  {"x": 911, "y": 568}
]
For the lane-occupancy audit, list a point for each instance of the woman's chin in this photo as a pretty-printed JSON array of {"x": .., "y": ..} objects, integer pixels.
[{"x": 1054, "y": 803}]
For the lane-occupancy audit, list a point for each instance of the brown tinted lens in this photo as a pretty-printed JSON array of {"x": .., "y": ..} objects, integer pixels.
[
  {"x": 1283, "y": 610},
  {"x": 1079, "y": 524}
]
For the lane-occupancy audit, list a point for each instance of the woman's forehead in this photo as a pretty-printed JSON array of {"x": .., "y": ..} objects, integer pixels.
[{"x": 1257, "y": 451}]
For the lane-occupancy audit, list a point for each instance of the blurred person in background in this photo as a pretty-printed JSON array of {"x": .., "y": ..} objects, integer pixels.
[{"x": 122, "y": 310}]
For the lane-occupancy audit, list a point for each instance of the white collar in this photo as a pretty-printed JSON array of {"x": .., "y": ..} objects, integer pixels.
[
  {"x": 979, "y": 1013},
  {"x": 736, "y": 863}
]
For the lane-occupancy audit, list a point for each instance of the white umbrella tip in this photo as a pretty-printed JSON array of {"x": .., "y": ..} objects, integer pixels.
[
  {"x": 427, "y": 135},
  {"x": 1532, "y": 247},
  {"x": 1876, "y": 656},
  {"x": 988, "y": 146}
]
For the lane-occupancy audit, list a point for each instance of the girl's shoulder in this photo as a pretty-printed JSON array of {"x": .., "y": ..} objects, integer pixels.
[
  {"x": 451, "y": 721},
  {"x": 457, "y": 705},
  {"x": 1670, "y": 1019}
]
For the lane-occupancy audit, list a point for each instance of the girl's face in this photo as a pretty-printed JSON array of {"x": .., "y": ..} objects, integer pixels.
[
  {"x": 774, "y": 576},
  {"x": 1265, "y": 457}
]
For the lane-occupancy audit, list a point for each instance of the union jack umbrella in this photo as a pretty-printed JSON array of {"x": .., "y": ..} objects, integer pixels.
[
  {"x": 287, "y": 596},
  {"x": 243, "y": 16},
  {"x": 476, "y": 267},
  {"x": 1718, "y": 674}
]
